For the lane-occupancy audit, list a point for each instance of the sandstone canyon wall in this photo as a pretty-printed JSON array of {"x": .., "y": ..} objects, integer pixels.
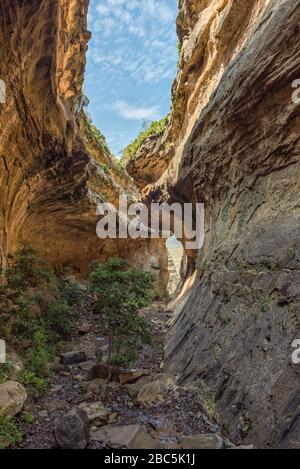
[
  {"x": 233, "y": 143},
  {"x": 53, "y": 171}
]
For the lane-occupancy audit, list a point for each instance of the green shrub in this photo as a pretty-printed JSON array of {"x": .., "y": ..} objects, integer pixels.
[
  {"x": 105, "y": 168},
  {"x": 179, "y": 47},
  {"x": 38, "y": 309},
  {"x": 156, "y": 128},
  {"x": 72, "y": 292},
  {"x": 31, "y": 379},
  {"x": 28, "y": 418},
  {"x": 25, "y": 270},
  {"x": 10, "y": 435},
  {"x": 118, "y": 294}
]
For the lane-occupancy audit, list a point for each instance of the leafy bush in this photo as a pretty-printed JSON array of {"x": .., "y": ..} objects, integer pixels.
[
  {"x": 31, "y": 379},
  {"x": 38, "y": 308},
  {"x": 10, "y": 435},
  {"x": 156, "y": 128},
  {"x": 28, "y": 418},
  {"x": 118, "y": 294}
]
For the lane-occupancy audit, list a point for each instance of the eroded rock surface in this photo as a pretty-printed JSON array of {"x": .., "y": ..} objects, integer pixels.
[
  {"x": 55, "y": 167},
  {"x": 235, "y": 146}
]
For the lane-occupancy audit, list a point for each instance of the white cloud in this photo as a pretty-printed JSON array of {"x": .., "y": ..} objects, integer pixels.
[
  {"x": 115, "y": 3},
  {"x": 130, "y": 112},
  {"x": 134, "y": 50},
  {"x": 103, "y": 10},
  {"x": 131, "y": 63}
]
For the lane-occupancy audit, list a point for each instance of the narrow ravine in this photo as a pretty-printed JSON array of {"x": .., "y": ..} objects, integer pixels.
[
  {"x": 148, "y": 410},
  {"x": 224, "y": 364}
]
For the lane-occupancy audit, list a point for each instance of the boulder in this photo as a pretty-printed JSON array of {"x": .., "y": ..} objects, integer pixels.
[
  {"x": 97, "y": 414},
  {"x": 134, "y": 388},
  {"x": 127, "y": 436},
  {"x": 100, "y": 370},
  {"x": 72, "y": 430},
  {"x": 204, "y": 441},
  {"x": 84, "y": 329},
  {"x": 72, "y": 358},
  {"x": 168, "y": 380},
  {"x": 12, "y": 398},
  {"x": 87, "y": 366},
  {"x": 95, "y": 386},
  {"x": 56, "y": 367},
  {"x": 114, "y": 386},
  {"x": 152, "y": 393},
  {"x": 55, "y": 405},
  {"x": 129, "y": 376}
]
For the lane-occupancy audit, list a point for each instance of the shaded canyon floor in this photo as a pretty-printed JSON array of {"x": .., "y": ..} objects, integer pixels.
[{"x": 139, "y": 408}]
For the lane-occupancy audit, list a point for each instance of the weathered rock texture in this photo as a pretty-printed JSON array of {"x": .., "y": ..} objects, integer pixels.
[
  {"x": 53, "y": 170},
  {"x": 236, "y": 148}
]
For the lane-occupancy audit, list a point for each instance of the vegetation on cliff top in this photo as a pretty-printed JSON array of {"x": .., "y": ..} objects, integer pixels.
[
  {"x": 156, "y": 128},
  {"x": 93, "y": 133}
]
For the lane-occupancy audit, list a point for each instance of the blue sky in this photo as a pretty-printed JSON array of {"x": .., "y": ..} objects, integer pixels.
[{"x": 131, "y": 65}]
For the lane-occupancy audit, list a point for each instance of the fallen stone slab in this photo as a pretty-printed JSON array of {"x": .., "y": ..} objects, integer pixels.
[
  {"x": 72, "y": 358},
  {"x": 205, "y": 441},
  {"x": 96, "y": 412},
  {"x": 129, "y": 376},
  {"x": 127, "y": 436},
  {"x": 72, "y": 430},
  {"x": 12, "y": 398}
]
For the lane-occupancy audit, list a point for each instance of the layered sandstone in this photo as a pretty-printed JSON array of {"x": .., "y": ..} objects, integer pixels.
[
  {"x": 235, "y": 146},
  {"x": 53, "y": 171}
]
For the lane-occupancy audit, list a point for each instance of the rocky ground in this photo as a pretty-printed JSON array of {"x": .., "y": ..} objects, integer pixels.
[{"x": 139, "y": 408}]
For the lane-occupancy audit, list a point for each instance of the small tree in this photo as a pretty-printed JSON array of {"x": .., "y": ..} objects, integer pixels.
[{"x": 118, "y": 294}]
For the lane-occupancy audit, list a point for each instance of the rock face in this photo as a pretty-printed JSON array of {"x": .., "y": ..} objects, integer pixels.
[
  {"x": 235, "y": 134},
  {"x": 232, "y": 142},
  {"x": 54, "y": 166}
]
